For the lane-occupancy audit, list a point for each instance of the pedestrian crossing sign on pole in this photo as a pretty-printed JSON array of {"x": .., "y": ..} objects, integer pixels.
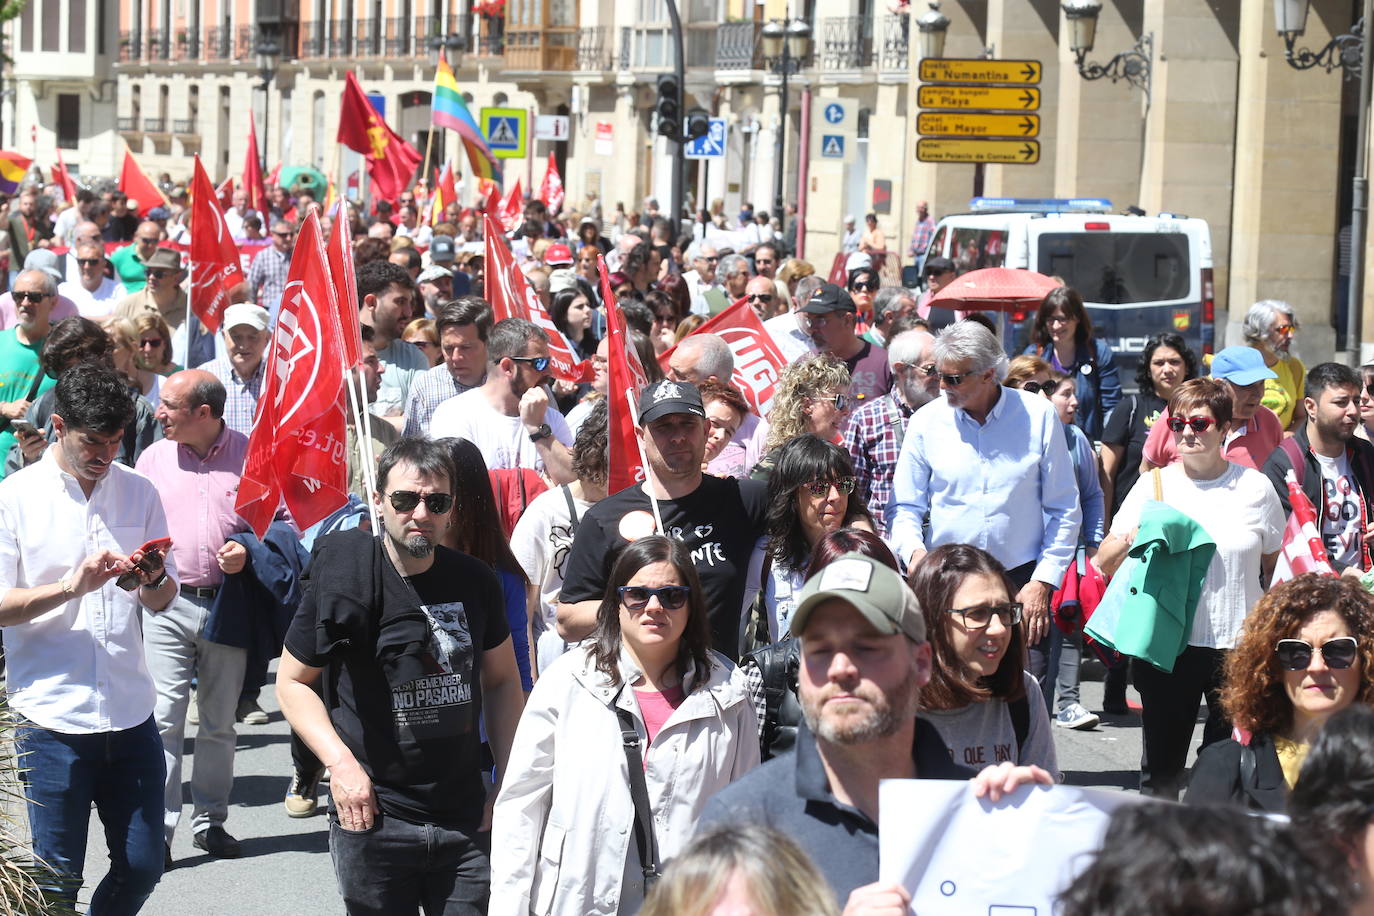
[
  {"x": 832, "y": 146},
  {"x": 507, "y": 131}
]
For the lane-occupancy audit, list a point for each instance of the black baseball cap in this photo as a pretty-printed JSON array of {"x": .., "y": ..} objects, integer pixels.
[
  {"x": 667, "y": 397},
  {"x": 938, "y": 265},
  {"x": 829, "y": 298}
]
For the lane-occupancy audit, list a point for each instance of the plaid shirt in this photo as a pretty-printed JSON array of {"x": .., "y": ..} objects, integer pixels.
[
  {"x": 267, "y": 277},
  {"x": 921, "y": 236},
  {"x": 242, "y": 400},
  {"x": 430, "y": 389},
  {"x": 873, "y": 438}
]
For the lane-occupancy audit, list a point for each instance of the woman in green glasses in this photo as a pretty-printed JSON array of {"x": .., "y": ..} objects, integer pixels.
[
  {"x": 980, "y": 697},
  {"x": 1306, "y": 652},
  {"x": 809, "y": 495},
  {"x": 566, "y": 838},
  {"x": 812, "y": 397}
]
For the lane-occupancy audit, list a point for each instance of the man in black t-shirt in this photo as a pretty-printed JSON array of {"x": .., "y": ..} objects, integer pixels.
[
  {"x": 722, "y": 520},
  {"x": 413, "y": 644}
]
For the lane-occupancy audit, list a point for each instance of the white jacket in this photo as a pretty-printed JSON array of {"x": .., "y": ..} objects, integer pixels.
[{"x": 563, "y": 836}]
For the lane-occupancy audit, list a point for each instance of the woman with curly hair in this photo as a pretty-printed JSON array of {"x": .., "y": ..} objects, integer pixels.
[
  {"x": 812, "y": 397},
  {"x": 1305, "y": 653}
]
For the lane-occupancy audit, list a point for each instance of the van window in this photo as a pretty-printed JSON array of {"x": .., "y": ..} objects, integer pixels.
[
  {"x": 1118, "y": 267},
  {"x": 974, "y": 249}
]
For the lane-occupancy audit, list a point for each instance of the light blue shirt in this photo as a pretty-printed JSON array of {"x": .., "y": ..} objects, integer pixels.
[
  {"x": 1090, "y": 498},
  {"x": 1006, "y": 486}
]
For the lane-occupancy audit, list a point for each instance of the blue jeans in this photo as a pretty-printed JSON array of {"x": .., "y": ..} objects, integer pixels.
[
  {"x": 120, "y": 772},
  {"x": 397, "y": 867}
]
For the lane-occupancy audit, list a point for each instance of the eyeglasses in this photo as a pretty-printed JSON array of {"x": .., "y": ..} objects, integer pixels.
[
  {"x": 864, "y": 286},
  {"x": 841, "y": 401},
  {"x": 1296, "y": 654},
  {"x": 537, "y": 363},
  {"x": 759, "y": 297},
  {"x": 928, "y": 371},
  {"x": 151, "y": 342},
  {"x": 87, "y": 262},
  {"x": 709, "y": 260},
  {"x": 1199, "y": 424},
  {"x": 670, "y": 597},
  {"x": 1059, "y": 319},
  {"x": 155, "y": 274},
  {"x": 423, "y": 344},
  {"x": 1038, "y": 387},
  {"x": 978, "y": 618},
  {"x": 407, "y": 500},
  {"x": 281, "y": 235},
  {"x": 819, "y": 488},
  {"x": 30, "y": 296},
  {"x": 145, "y": 240},
  {"x": 954, "y": 381}
]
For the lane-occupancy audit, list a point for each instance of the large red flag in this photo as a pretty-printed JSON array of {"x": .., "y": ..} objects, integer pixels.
[
  {"x": 139, "y": 187},
  {"x": 61, "y": 176},
  {"x": 493, "y": 207},
  {"x": 252, "y": 174},
  {"x": 513, "y": 210},
  {"x": 625, "y": 380},
  {"x": 511, "y": 296},
  {"x": 215, "y": 267},
  {"x": 551, "y": 191},
  {"x": 296, "y": 450},
  {"x": 225, "y": 193},
  {"x": 391, "y": 161},
  {"x": 758, "y": 361},
  {"x": 341, "y": 268}
]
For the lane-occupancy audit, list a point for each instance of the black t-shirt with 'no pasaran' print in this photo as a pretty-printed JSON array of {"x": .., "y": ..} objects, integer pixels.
[{"x": 418, "y": 743}]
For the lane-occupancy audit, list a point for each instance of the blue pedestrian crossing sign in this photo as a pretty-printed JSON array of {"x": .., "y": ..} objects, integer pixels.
[
  {"x": 834, "y": 113},
  {"x": 709, "y": 146},
  {"x": 507, "y": 131},
  {"x": 832, "y": 146}
]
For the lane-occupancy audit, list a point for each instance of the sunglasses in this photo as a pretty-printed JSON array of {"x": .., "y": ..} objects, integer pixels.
[
  {"x": 978, "y": 618},
  {"x": 142, "y": 240},
  {"x": 155, "y": 274},
  {"x": 423, "y": 344},
  {"x": 537, "y": 363},
  {"x": 1296, "y": 654},
  {"x": 282, "y": 235},
  {"x": 819, "y": 488},
  {"x": 407, "y": 500},
  {"x": 1199, "y": 424},
  {"x": 760, "y": 297},
  {"x": 33, "y": 296},
  {"x": 928, "y": 371},
  {"x": 87, "y": 262},
  {"x": 841, "y": 401},
  {"x": 865, "y": 286},
  {"x": 670, "y": 597},
  {"x": 1038, "y": 387},
  {"x": 151, "y": 342},
  {"x": 954, "y": 381}
]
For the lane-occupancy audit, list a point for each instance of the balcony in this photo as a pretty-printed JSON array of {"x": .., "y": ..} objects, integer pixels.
[
  {"x": 187, "y": 45},
  {"x": 246, "y": 43},
  {"x": 130, "y": 46},
  {"x": 127, "y": 125},
  {"x": 184, "y": 126},
  {"x": 370, "y": 42},
  {"x": 219, "y": 43},
  {"x": 312, "y": 40},
  {"x": 594, "y": 48},
  {"x": 844, "y": 44},
  {"x": 492, "y": 44},
  {"x": 154, "y": 125},
  {"x": 737, "y": 46},
  {"x": 625, "y": 37},
  {"x": 159, "y": 45},
  {"x": 896, "y": 32}
]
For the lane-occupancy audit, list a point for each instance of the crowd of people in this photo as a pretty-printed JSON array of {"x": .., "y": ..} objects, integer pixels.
[{"x": 531, "y": 693}]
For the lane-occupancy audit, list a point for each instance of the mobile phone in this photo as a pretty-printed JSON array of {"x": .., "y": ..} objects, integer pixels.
[
  {"x": 157, "y": 547},
  {"x": 23, "y": 427}
]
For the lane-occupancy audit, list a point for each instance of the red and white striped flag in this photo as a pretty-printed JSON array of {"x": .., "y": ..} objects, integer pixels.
[{"x": 1302, "y": 550}]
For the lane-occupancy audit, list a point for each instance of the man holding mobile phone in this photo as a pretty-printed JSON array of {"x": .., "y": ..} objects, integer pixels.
[{"x": 70, "y": 525}]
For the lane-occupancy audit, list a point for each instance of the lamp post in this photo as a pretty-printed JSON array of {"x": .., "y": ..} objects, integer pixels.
[
  {"x": 784, "y": 47},
  {"x": 1351, "y": 53},
  {"x": 448, "y": 48},
  {"x": 1133, "y": 66},
  {"x": 933, "y": 26},
  {"x": 268, "y": 52}
]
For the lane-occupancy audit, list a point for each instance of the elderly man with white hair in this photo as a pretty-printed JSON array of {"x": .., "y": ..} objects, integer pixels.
[
  {"x": 707, "y": 357},
  {"x": 702, "y": 278},
  {"x": 1269, "y": 328},
  {"x": 990, "y": 466},
  {"x": 733, "y": 273}
]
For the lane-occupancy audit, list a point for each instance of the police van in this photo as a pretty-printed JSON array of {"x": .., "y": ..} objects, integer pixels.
[{"x": 1138, "y": 275}]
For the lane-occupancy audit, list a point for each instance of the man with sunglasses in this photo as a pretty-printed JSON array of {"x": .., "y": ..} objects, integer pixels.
[
  {"x": 762, "y": 295},
  {"x": 162, "y": 293},
  {"x": 1334, "y": 467},
  {"x": 129, "y": 261},
  {"x": 94, "y": 293},
  {"x": 830, "y": 315},
  {"x": 268, "y": 270},
  {"x": 35, "y": 294},
  {"x": 411, "y": 641},
  {"x": 511, "y": 418}
]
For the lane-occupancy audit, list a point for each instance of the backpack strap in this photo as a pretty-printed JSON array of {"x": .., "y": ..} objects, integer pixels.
[
  {"x": 1247, "y": 766},
  {"x": 1020, "y": 720},
  {"x": 1293, "y": 450},
  {"x": 572, "y": 508},
  {"x": 639, "y": 791}
]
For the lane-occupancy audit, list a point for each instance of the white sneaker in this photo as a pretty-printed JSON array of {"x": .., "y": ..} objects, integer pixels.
[
  {"x": 1075, "y": 716},
  {"x": 192, "y": 711}
]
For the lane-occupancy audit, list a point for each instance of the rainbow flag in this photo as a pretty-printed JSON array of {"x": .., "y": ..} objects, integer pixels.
[
  {"x": 13, "y": 168},
  {"x": 448, "y": 110}
]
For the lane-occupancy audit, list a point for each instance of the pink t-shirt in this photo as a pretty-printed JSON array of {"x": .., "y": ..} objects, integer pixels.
[
  {"x": 656, "y": 708},
  {"x": 1251, "y": 448}
]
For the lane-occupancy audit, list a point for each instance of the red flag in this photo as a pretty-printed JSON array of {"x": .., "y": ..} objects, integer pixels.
[
  {"x": 513, "y": 209},
  {"x": 445, "y": 193},
  {"x": 758, "y": 361},
  {"x": 340, "y": 253},
  {"x": 296, "y": 450},
  {"x": 252, "y": 175},
  {"x": 138, "y": 186},
  {"x": 391, "y": 161},
  {"x": 225, "y": 193},
  {"x": 214, "y": 256},
  {"x": 1302, "y": 550},
  {"x": 493, "y": 207},
  {"x": 626, "y": 378},
  {"x": 551, "y": 191},
  {"x": 61, "y": 176},
  {"x": 274, "y": 176}
]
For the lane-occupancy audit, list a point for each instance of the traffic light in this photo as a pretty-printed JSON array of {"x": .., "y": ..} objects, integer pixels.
[
  {"x": 669, "y": 107},
  {"x": 698, "y": 123}
]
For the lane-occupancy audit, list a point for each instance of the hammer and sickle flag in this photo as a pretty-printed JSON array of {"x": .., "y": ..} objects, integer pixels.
[{"x": 391, "y": 161}]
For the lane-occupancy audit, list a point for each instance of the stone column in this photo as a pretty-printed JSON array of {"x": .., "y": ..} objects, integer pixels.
[{"x": 1028, "y": 30}]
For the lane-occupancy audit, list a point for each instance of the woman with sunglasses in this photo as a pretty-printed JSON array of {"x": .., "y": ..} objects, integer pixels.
[
  {"x": 812, "y": 397},
  {"x": 1237, "y": 509},
  {"x": 564, "y": 837},
  {"x": 1305, "y": 653},
  {"x": 126, "y": 339},
  {"x": 862, "y": 284},
  {"x": 424, "y": 336},
  {"x": 1063, "y": 337},
  {"x": 980, "y": 698}
]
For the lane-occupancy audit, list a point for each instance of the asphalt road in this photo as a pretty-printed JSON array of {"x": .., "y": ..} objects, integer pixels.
[{"x": 285, "y": 868}]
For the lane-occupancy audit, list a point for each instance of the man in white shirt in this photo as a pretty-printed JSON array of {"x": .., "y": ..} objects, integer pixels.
[
  {"x": 236, "y": 214},
  {"x": 73, "y": 578},
  {"x": 94, "y": 293},
  {"x": 510, "y": 417}
]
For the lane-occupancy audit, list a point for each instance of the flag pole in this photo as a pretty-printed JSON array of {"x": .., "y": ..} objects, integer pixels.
[
  {"x": 644, "y": 462},
  {"x": 366, "y": 461}
]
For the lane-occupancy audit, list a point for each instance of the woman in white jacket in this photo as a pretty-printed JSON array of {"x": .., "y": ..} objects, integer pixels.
[{"x": 564, "y": 834}]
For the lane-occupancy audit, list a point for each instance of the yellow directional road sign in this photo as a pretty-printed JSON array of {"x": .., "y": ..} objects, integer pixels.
[
  {"x": 977, "y": 124},
  {"x": 950, "y": 70},
  {"x": 972, "y": 97},
  {"x": 1002, "y": 152}
]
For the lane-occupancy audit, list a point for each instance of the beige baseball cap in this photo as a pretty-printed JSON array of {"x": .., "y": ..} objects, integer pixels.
[{"x": 872, "y": 588}]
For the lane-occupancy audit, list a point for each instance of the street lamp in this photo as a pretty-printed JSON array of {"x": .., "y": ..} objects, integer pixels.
[
  {"x": 785, "y": 50},
  {"x": 268, "y": 52},
  {"x": 1133, "y": 66},
  {"x": 446, "y": 48},
  {"x": 933, "y": 25}
]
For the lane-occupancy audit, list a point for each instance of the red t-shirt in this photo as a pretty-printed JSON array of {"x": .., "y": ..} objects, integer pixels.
[
  {"x": 1251, "y": 448},
  {"x": 656, "y": 708}
]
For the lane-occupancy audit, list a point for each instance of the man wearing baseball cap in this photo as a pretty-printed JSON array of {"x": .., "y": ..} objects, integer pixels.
[
  {"x": 241, "y": 369},
  {"x": 721, "y": 519},
  {"x": 1255, "y": 429},
  {"x": 829, "y": 317},
  {"x": 864, "y": 660}
]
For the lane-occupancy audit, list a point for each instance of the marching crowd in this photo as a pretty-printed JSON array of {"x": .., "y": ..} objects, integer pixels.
[{"x": 533, "y": 693}]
